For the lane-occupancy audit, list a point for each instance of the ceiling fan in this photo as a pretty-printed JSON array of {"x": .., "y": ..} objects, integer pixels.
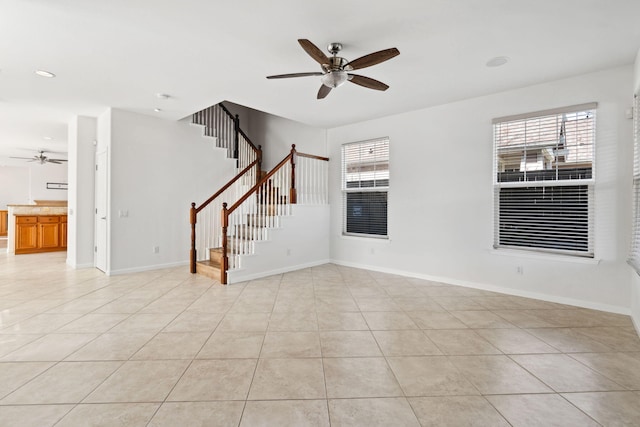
[
  {"x": 335, "y": 70},
  {"x": 40, "y": 157}
]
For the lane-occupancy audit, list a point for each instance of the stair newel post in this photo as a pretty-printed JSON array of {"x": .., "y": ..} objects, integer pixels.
[
  {"x": 292, "y": 191},
  {"x": 259, "y": 158},
  {"x": 192, "y": 257},
  {"x": 225, "y": 259},
  {"x": 236, "y": 139}
]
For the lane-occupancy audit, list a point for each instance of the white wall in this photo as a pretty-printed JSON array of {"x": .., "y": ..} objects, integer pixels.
[
  {"x": 440, "y": 199},
  {"x": 80, "y": 229},
  {"x": 276, "y": 134},
  {"x": 301, "y": 241},
  {"x": 635, "y": 279},
  {"x": 636, "y": 74},
  {"x": 49, "y": 172},
  {"x": 14, "y": 185},
  {"x": 635, "y": 298},
  {"x": 157, "y": 168},
  {"x": 103, "y": 144},
  {"x": 24, "y": 184}
]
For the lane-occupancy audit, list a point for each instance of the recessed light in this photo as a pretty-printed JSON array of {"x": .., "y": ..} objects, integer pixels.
[
  {"x": 47, "y": 138},
  {"x": 498, "y": 61},
  {"x": 162, "y": 96},
  {"x": 45, "y": 73},
  {"x": 157, "y": 110}
]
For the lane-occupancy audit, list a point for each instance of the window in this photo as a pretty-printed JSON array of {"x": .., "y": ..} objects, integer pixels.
[
  {"x": 544, "y": 180},
  {"x": 365, "y": 184},
  {"x": 634, "y": 256}
]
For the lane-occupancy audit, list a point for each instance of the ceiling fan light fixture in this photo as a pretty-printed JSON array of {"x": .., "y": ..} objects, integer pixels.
[{"x": 335, "y": 78}]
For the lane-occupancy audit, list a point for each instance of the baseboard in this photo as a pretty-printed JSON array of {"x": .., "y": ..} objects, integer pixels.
[
  {"x": 494, "y": 288},
  {"x": 635, "y": 318},
  {"x": 145, "y": 268},
  {"x": 635, "y": 314},
  {"x": 273, "y": 272},
  {"x": 75, "y": 266}
]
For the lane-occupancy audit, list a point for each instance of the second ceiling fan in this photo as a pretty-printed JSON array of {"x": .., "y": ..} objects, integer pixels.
[
  {"x": 336, "y": 70},
  {"x": 41, "y": 158}
]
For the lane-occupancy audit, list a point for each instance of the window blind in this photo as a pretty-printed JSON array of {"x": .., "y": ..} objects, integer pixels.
[
  {"x": 543, "y": 180},
  {"x": 365, "y": 184},
  {"x": 634, "y": 255}
]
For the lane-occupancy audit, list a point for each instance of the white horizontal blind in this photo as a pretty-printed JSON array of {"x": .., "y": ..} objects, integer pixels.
[
  {"x": 543, "y": 180},
  {"x": 634, "y": 255},
  {"x": 365, "y": 184}
]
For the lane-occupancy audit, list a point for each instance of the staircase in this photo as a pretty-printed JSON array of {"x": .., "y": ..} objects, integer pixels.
[
  {"x": 212, "y": 266},
  {"x": 227, "y": 226},
  {"x": 222, "y": 125}
]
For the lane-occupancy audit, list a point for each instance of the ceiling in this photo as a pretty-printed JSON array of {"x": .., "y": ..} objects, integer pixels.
[{"x": 122, "y": 53}]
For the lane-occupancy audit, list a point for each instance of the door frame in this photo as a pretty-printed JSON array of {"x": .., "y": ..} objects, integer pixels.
[{"x": 101, "y": 221}]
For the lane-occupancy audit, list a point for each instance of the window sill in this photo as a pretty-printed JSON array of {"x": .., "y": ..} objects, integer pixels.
[
  {"x": 545, "y": 256},
  {"x": 367, "y": 238}
]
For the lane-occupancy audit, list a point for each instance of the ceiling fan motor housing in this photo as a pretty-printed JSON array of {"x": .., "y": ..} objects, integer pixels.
[
  {"x": 336, "y": 63},
  {"x": 334, "y": 48}
]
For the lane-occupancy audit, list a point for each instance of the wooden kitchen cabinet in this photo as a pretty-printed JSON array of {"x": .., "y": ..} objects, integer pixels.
[
  {"x": 49, "y": 235},
  {"x": 26, "y": 234},
  {"x": 41, "y": 233},
  {"x": 63, "y": 231},
  {"x": 4, "y": 223}
]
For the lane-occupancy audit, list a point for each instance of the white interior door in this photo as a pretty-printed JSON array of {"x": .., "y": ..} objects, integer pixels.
[{"x": 101, "y": 249}]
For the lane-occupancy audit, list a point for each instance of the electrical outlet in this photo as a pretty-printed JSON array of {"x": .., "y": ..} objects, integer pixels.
[
  {"x": 288, "y": 252},
  {"x": 156, "y": 249},
  {"x": 519, "y": 269}
]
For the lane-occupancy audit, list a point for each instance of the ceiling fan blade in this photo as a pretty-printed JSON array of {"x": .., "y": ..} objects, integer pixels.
[
  {"x": 323, "y": 92},
  {"x": 367, "y": 82},
  {"x": 54, "y": 161},
  {"x": 373, "y": 59},
  {"x": 25, "y": 158},
  {"x": 314, "y": 51},
  {"x": 286, "y": 76},
  {"x": 57, "y": 160}
]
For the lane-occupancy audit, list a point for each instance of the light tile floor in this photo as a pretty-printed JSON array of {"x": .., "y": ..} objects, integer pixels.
[{"x": 322, "y": 346}]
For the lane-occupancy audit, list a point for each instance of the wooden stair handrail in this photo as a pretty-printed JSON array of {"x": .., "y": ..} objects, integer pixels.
[
  {"x": 244, "y": 135},
  {"x": 227, "y": 185},
  {"x": 226, "y": 111},
  {"x": 256, "y": 187},
  {"x": 283, "y": 162},
  {"x": 193, "y": 213},
  {"x": 312, "y": 156},
  {"x": 226, "y": 211},
  {"x": 251, "y": 144}
]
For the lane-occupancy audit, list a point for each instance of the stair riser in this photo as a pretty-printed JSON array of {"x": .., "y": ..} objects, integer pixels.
[
  {"x": 211, "y": 272},
  {"x": 264, "y": 219},
  {"x": 215, "y": 254},
  {"x": 249, "y": 232}
]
